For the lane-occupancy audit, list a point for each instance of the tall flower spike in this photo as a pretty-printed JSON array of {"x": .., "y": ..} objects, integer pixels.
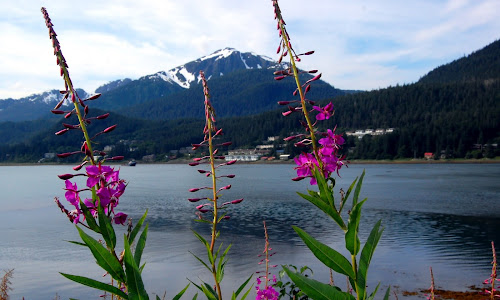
[
  {"x": 324, "y": 158},
  {"x": 213, "y": 207}
]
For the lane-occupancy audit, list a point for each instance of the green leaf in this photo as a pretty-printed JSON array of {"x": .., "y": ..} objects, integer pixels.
[
  {"x": 386, "y": 296},
  {"x": 137, "y": 228},
  {"x": 352, "y": 242},
  {"x": 319, "y": 203},
  {"x": 135, "y": 285},
  {"x": 107, "y": 231},
  {"x": 242, "y": 286},
  {"x": 358, "y": 189},
  {"x": 367, "y": 253},
  {"x": 331, "y": 258},
  {"x": 222, "y": 264},
  {"x": 195, "y": 296},
  {"x": 209, "y": 291},
  {"x": 140, "y": 246},
  {"x": 372, "y": 295},
  {"x": 77, "y": 243},
  {"x": 325, "y": 191},
  {"x": 346, "y": 196},
  {"x": 179, "y": 295},
  {"x": 200, "y": 260},
  {"x": 104, "y": 258},
  {"x": 158, "y": 297},
  {"x": 317, "y": 290},
  {"x": 89, "y": 218},
  {"x": 96, "y": 284}
]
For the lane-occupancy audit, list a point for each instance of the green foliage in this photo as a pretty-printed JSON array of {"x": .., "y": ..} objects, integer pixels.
[
  {"x": 287, "y": 287},
  {"x": 356, "y": 272}
]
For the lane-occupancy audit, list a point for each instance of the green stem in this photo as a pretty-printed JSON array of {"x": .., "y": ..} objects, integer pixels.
[
  {"x": 301, "y": 92},
  {"x": 214, "y": 201},
  {"x": 355, "y": 269}
]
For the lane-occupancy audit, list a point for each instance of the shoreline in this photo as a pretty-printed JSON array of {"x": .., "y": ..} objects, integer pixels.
[{"x": 352, "y": 162}]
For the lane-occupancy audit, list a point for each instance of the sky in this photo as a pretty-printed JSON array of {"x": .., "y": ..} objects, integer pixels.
[{"x": 359, "y": 44}]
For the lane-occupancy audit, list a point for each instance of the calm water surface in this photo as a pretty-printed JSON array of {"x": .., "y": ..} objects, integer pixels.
[{"x": 439, "y": 215}]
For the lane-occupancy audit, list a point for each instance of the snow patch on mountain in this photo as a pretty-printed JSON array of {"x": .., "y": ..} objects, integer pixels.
[
  {"x": 244, "y": 62},
  {"x": 220, "y": 54}
]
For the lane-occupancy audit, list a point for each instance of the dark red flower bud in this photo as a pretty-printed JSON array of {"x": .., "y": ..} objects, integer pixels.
[
  {"x": 61, "y": 132},
  {"x": 86, "y": 109},
  {"x": 309, "y": 53},
  {"x": 279, "y": 77},
  {"x": 69, "y": 126},
  {"x": 290, "y": 138},
  {"x": 62, "y": 72},
  {"x": 298, "y": 178},
  {"x": 312, "y": 71},
  {"x": 313, "y": 79},
  {"x": 202, "y": 171},
  {"x": 226, "y": 217},
  {"x": 219, "y": 132},
  {"x": 59, "y": 104},
  {"x": 192, "y": 164},
  {"x": 230, "y": 176},
  {"x": 93, "y": 97},
  {"x": 73, "y": 97},
  {"x": 286, "y": 113},
  {"x": 279, "y": 48},
  {"x": 68, "y": 115},
  {"x": 226, "y": 144},
  {"x": 237, "y": 201},
  {"x": 63, "y": 155},
  {"x": 58, "y": 112},
  {"x": 194, "y": 190},
  {"x": 231, "y": 162},
  {"x": 298, "y": 59},
  {"x": 194, "y": 199},
  {"x": 102, "y": 117},
  {"x": 66, "y": 176},
  {"x": 283, "y": 102},
  {"x": 118, "y": 157},
  {"x": 295, "y": 92},
  {"x": 308, "y": 88},
  {"x": 77, "y": 168},
  {"x": 109, "y": 129}
]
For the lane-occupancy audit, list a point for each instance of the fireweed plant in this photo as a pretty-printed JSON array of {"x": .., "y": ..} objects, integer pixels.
[
  {"x": 492, "y": 291},
  {"x": 318, "y": 166},
  {"x": 266, "y": 291},
  {"x": 212, "y": 207},
  {"x": 97, "y": 213}
]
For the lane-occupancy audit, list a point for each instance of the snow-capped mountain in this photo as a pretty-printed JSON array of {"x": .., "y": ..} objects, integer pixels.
[
  {"x": 33, "y": 106},
  {"x": 220, "y": 62}
]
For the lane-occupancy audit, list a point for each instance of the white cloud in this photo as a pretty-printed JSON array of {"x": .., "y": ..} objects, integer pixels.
[{"x": 359, "y": 44}]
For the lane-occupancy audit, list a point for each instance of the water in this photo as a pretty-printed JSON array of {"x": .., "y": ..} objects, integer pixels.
[{"x": 439, "y": 215}]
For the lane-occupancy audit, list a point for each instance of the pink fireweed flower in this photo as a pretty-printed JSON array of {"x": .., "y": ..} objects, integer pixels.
[
  {"x": 98, "y": 173},
  {"x": 72, "y": 193},
  {"x": 324, "y": 113},
  {"x": 306, "y": 162},
  {"x": 331, "y": 143},
  {"x": 120, "y": 218}
]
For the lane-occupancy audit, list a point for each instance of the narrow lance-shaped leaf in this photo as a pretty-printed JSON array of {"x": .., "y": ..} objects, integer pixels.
[
  {"x": 89, "y": 218},
  {"x": 367, "y": 253},
  {"x": 107, "y": 231},
  {"x": 317, "y": 290},
  {"x": 104, "y": 258},
  {"x": 346, "y": 196},
  {"x": 179, "y": 295},
  {"x": 328, "y": 256},
  {"x": 96, "y": 284},
  {"x": 134, "y": 280},
  {"x": 140, "y": 246},
  {"x": 358, "y": 190},
  {"x": 241, "y": 287},
  {"x": 352, "y": 242},
  {"x": 319, "y": 203},
  {"x": 137, "y": 228}
]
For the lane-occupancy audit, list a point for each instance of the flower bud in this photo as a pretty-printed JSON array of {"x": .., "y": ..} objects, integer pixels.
[
  {"x": 299, "y": 178},
  {"x": 68, "y": 115},
  {"x": 64, "y": 155},
  {"x": 58, "y": 112},
  {"x": 66, "y": 176},
  {"x": 230, "y": 176},
  {"x": 309, "y": 53},
  {"x": 109, "y": 129},
  {"x": 192, "y": 164},
  {"x": 202, "y": 171},
  {"x": 102, "y": 117},
  {"x": 195, "y": 199},
  {"x": 279, "y": 77},
  {"x": 308, "y": 88},
  {"x": 226, "y": 144},
  {"x": 194, "y": 190},
  {"x": 295, "y": 92},
  {"x": 284, "y": 102},
  {"x": 61, "y": 132},
  {"x": 73, "y": 97},
  {"x": 93, "y": 97},
  {"x": 237, "y": 201},
  {"x": 59, "y": 104},
  {"x": 119, "y": 157},
  {"x": 231, "y": 162}
]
